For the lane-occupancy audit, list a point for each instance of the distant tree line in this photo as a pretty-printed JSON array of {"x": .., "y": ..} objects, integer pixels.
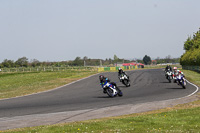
[
  {"x": 168, "y": 59},
  {"x": 78, "y": 61},
  {"x": 192, "y": 48}
]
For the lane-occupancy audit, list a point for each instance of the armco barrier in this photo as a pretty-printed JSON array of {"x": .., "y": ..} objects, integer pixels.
[
  {"x": 106, "y": 68},
  {"x": 112, "y": 68},
  {"x": 102, "y": 69}
]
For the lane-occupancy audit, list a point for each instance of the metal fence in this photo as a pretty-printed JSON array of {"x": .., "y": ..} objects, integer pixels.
[
  {"x": 193, "y": 68},
  {"x": 45, "y": 69}
]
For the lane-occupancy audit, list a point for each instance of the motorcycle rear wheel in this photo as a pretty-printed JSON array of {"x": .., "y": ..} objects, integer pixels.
[{"x": 109, "y": 92}]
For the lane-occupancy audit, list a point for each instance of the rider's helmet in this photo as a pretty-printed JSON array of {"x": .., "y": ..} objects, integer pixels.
[
  {"x": 175, "y": 69},
  {"x": 120, "y": 70},
  {"x": 101, "y": 77}
]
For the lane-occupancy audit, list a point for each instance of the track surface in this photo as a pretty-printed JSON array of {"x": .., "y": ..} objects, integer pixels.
[{"x": 146, "y": 86}]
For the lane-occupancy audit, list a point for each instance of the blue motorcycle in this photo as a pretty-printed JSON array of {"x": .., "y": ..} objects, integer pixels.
[
  {"x": 181, "y": 81},
  {"x": 111, "y": 89}
]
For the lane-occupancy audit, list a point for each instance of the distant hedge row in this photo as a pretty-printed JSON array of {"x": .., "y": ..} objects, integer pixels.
[{"x": 192, "y": 55}]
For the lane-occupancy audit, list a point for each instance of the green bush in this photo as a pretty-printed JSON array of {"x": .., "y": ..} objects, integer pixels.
[{"x": 192, "y": 55}]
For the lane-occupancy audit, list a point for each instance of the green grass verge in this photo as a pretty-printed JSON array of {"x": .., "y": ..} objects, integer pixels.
[
  {"x": 192, "y": 76},
  {"x": 19, "y": 84}
]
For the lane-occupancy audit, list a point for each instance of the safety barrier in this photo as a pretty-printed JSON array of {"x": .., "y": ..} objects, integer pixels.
[{"x": 104, "y": 69}]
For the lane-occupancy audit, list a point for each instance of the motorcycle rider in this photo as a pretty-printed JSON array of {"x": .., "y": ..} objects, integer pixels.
[
  {"x": 120, "y": 72},
  {"x": 102, "y": 80},
  {"x": 168, "y": 68},
  {"x": 179, "y": 73},
  {"x": 176, "y": 72}
]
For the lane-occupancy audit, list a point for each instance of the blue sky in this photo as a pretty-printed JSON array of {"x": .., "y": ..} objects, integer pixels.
[{"x": 60, "y": 30}]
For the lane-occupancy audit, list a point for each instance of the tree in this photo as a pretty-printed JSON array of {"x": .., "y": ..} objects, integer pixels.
[
  {"x": 188, "y": 44},
  {"x": 22, "y": 62},
  {"x": 115, "y": 57},
  {"x": 147, "y": 60},
  {"x": 35, "y": 62},
  {"x": 78, "y": 62},
  {"x": 85, "y": 58},
  {"x": 8, "y": 63},
  {"x": 192, "y": 54},
  {"x": 168, "y": 59}
]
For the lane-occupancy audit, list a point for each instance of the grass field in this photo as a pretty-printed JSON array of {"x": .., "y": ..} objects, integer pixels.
[
  {"x": 184, "y": 118},
  {"x": 19, "y": 84}
]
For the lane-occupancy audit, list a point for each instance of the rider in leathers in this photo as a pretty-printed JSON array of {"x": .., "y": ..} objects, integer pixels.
[
  {"x": 103, "y": 80},
  {"x": 176, "y": 72},
  {"x": 120, "y": 72},
  {"x": 168, "y": 68}
]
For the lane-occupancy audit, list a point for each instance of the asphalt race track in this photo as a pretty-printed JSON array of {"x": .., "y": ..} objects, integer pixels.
[{"x": 146, "y": 86}]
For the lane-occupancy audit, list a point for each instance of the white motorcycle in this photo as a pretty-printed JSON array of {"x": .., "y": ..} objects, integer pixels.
[
  {"x": 169, "y": 76},
  {"x": 125, "y": 80}
]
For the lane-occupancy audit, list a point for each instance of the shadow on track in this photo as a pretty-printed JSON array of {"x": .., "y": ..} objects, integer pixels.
[
  {"x": 165, "y": 82},
  {"x": 103, "y": 97},
  {"x": 174, "y": 88}
]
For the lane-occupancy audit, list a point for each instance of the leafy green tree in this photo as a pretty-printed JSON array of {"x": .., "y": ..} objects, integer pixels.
[
  {"x": 8, "y": 63},
  {"x": 78, "y": 62},
  {"x": 188, "y": 44},
  {"x": 116, "y": 59},
  {"x": 192, "y": 54},
  {"x": 22, "y": 62},
  {"x": 147, "y": 60},
  {"x": 35, "y": 62},
  {"x": 85, "y": 58}
]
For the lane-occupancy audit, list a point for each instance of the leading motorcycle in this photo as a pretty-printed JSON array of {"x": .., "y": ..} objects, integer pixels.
[
  {"x": 111, "y": 89},
  {"x": 181, "y": 81}
]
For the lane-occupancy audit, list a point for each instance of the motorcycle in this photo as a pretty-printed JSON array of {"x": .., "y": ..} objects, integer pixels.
[
  {"x": 169, "y": 75},
  {"x": 111, "y": 89},
  {"x": 125, "y": 80},
  {"x": 181, "y": 81}
]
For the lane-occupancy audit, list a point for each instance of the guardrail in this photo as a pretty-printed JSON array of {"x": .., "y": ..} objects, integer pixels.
[
  {"x": 193, "y": 68},
  {"x": 103, "y": 69}
]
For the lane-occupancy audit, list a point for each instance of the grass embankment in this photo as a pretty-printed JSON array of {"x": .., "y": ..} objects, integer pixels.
[
  {"x": 19, "y": 84},
  {"x": 178, "y": 119},
  {"x": 192, "y": 76}
]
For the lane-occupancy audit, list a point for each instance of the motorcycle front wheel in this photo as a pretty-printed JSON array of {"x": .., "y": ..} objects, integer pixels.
[{"x": 119, "y": 92}]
